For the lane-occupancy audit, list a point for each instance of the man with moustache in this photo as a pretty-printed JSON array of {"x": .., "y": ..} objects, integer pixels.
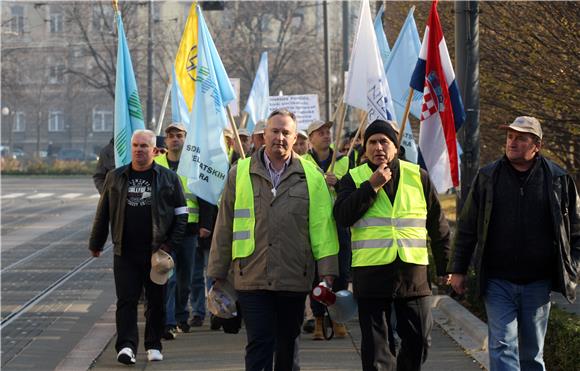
[
  {"x": 521, "y": 219},
  {"x": 392, "y": 208}
]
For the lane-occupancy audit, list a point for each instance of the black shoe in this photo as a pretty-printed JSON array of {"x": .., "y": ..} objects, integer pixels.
[
  {"x": 308, "y": 326},
  {"x": 170, "y": 333},
  {"x": 183, "y": 327},
  {"x": 196, "y": 321},
  {"x": 215, "y": 323}
]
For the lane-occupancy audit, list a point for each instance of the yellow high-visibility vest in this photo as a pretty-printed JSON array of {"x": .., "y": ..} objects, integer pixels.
[
  {"x": 386, "y": 230},
  {"x": 340, "y": 166},
  {"x": 321, "y": 224},
  {"x": 190, "y": 199}
]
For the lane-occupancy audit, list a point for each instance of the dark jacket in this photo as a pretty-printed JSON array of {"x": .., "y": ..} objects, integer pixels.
[
  {"x": 105, "y": 164},
  {"x": 398, "y": 279},
  {"x": 473, "y": 224},
  {"x": 167, "y": 195}
]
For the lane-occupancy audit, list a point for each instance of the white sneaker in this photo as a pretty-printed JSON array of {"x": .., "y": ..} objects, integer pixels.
[
  {"x": 126, "y": 356},
  {"x": 154, "y": 355}
]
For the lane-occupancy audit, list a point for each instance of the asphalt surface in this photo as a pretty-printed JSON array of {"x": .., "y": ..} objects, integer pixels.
[{"x": 52, "y": 291}]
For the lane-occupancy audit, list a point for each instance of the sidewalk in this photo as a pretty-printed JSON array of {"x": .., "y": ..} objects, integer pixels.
[{"x": 204, "y": 349}]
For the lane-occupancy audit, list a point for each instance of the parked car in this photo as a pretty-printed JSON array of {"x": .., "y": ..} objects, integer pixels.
[{"x": 71, "y": 155}]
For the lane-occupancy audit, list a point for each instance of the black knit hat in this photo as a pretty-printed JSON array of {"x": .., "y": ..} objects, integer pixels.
[{"x": 384, "y": 127}]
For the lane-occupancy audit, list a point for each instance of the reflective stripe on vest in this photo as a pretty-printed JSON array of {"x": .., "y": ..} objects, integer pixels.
[
  {"x": 321, "y": 225},
  {"x": 386, "y": 230},
  {"x": 190, "y": 199}
]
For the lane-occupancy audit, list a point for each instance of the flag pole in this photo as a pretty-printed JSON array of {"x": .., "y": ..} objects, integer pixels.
[
  {"x": 244, "y": 119},
  {"x": 163, "y": 107},
  {"x": 235, "y": 129},
  {"x": 362, "y": 122},
  {"x": 338, "y": 133},
  {"x": 405, "y": 117}
]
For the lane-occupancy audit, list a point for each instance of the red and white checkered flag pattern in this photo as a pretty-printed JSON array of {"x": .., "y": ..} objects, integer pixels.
[{"x": 429, "y": 104}]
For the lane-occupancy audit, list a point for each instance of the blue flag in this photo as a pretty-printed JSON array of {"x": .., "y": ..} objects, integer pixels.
[
  {"x": 258, "y": 105},
  {"x": 204, "y": 160},
  {"x": 128, "y": 111},
  {"x": 381, "y": 37},
  {"x": 179, "y": 111},
  {"x": 399, "y": 68}
]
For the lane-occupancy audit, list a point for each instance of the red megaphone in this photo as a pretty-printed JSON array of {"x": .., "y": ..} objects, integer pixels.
[{"x": 323, "y": 294}]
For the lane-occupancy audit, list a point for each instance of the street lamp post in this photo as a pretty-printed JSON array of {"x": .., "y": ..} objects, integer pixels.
[{"x": 9, "y": 115}]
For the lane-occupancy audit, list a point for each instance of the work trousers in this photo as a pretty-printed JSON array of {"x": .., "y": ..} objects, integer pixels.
[
  {"x": 273, "y": 320},
  {"x": 414, "y": 324},
  {"x": 131, "y": 271}
]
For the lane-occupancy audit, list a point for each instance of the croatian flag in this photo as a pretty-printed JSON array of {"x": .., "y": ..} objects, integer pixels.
[{"x": 442, "y": 111}]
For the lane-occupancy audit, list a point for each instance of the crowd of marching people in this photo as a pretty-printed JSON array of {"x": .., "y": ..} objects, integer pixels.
[{"x": 294, "y": 214}]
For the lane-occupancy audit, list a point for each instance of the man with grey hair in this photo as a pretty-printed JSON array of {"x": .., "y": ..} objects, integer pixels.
[
  {"x": 521, "y": 219},
  {"x": 144, "y": 205},
  {"x": 273, "y": 266}
]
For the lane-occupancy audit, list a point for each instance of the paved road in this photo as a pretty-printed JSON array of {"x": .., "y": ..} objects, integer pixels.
[{"x": 52, "y": 292}]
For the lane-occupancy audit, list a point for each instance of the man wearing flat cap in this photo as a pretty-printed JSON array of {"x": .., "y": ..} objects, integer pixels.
[
  {"x": 522, "y": 221},
  {"x": 392, "y": 208}
]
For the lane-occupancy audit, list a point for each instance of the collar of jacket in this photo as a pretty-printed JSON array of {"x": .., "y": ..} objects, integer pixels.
[
  {"x": 258, "y": 165},
  {"x": 127, "y": 168},
  {"x": 315, "y": 156}
]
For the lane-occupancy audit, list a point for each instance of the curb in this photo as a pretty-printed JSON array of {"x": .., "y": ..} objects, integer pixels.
[
  {"x": 465, "y": 328},
  {"x": 91, "y": 345}
]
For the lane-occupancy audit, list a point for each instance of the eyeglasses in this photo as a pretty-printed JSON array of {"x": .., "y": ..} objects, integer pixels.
[
  {"x": 283, "y": 112},
  {"x": 161, "y": 150}
]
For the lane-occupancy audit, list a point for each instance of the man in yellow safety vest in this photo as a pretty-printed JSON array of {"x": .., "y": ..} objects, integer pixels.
[
  {"x": 392, "y": 208},
  {"x": 274, "y": 222}
]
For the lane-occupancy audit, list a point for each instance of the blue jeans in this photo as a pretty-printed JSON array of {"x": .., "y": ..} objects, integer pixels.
[
  {"x": 198, "y": 286},
  {"x": 178, "y": 284},
  {"x": 517, "y": 321}
]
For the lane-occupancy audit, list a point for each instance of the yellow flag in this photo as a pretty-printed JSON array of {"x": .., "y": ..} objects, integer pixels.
[{"x": 186, "y": 59}]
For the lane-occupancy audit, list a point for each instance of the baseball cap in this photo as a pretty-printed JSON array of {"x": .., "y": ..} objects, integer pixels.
[
  {"x": 525, "y": 124},
  {"x": 302, "y": 133},
  {"x": 161, "y": 267},
  {"x": 260, "y": 127},
  {"x": 228, "y": 133},
  {"x": 177, "y": 126},
  {"x": 244, "y": 132},
  {"x": 315, "y": 125}
]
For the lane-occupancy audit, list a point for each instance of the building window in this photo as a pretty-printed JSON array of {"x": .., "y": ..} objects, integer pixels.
[
  {"x": 55, "y": 121},
  {"x": 56, "y": 74},
  {"x": 19, "y": 124},
  {"x": 56, "y": 22},
  {"x": 102, "y": 120},
  {"x": 17, "y": 20},
  {"x": 103, "y": 18}
]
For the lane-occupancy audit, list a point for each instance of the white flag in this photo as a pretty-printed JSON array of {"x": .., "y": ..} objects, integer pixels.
[{"x": 367, "y": 87}]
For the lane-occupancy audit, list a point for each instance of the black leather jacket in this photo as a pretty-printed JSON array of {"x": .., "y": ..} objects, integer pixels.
[
  {"x": 474, "y": 221},
  {"x": 167, "y": 195}
]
